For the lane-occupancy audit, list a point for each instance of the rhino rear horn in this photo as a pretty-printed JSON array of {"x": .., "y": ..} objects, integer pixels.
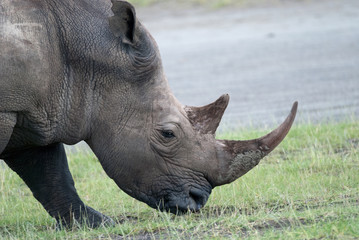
[
  {"x": 206, "y": 119},
  {"x": 123, "y": 23}
]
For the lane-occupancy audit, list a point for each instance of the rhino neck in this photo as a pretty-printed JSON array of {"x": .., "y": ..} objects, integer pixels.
[{"x": 81, "y": 67}]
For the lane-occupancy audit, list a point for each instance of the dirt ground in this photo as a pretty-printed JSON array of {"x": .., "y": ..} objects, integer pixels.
[{"x": 265, "y": 57}]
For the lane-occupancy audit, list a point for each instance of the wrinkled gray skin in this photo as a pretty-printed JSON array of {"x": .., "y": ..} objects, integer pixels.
[{"x": 76, "y": 70}]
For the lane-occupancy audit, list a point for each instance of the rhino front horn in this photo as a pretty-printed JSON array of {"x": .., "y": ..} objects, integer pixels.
[{"x": 235, "y": 158}]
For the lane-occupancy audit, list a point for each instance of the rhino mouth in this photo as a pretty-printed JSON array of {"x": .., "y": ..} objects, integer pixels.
[{"x": 193, "y": 201}]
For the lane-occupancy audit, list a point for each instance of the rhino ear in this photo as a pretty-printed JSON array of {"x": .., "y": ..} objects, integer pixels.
[
  {"x": 123, "y": 23},
  {"x": 206, "y": 119}
]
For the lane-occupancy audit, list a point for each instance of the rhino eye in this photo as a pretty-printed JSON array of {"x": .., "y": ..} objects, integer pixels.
[{"x": 168, "y": 134}]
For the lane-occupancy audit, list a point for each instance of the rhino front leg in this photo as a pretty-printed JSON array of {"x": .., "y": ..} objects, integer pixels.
[{"x": 45, "y": 171}]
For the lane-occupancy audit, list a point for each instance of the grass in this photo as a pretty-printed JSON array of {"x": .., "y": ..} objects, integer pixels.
[{"x": 308, "y": 188}]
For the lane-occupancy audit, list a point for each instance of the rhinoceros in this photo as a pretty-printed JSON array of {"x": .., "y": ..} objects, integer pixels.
[{"x": 89, "y": 70}]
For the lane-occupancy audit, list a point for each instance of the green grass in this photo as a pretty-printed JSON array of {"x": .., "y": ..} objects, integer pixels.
[{"x": 308, "y": 188}]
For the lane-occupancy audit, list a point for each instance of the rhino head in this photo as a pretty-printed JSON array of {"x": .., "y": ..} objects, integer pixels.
[{"x": 156, "y": 149}]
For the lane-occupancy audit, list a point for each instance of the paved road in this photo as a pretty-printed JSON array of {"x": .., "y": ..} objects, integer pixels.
[{"x": 264, "y": 57}]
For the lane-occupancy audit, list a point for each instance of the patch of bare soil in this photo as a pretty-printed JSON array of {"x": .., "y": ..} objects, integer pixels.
[
  {"x": 254, "y": 226},
  {"x": 299, "y": 206},
  {"x": 354, "y": 143},
  {"x": 127, "y": 218}
]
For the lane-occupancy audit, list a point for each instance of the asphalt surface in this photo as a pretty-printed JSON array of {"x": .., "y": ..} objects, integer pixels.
[{"x": 264, "y": 57}]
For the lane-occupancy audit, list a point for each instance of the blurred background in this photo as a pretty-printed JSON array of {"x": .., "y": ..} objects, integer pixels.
[{"x": 265, "y": 54}]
